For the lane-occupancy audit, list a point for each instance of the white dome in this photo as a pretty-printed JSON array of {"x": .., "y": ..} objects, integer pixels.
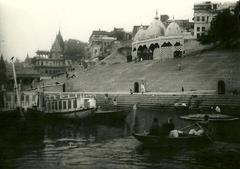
[
  {"x": 155, "y": 29},
  {"x": 140, "y": 35},
  {"x": 173, "y": 29}
]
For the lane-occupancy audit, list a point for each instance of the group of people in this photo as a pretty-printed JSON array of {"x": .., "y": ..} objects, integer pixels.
[{"x": 168, "y": 129}]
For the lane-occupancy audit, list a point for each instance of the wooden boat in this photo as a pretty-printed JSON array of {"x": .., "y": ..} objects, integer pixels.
[
  {"x": 182, "y": 140},
  {"x": 70, "y": 107},
  {"x": 212, "y": 117},
  {"x": 111, "y": 114},
  {"x": 181, "y": 106}
]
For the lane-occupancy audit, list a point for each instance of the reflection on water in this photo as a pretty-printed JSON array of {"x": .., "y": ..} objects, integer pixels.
[{"x": 87, "y": 144}]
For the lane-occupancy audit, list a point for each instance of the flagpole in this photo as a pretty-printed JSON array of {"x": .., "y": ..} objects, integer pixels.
[{"x": 17, "y": 89}]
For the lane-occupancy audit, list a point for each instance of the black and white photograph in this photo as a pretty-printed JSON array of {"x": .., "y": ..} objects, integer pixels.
[{"x": 120, "y": 84}]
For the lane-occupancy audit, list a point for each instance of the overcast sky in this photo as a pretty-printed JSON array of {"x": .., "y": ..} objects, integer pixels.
[{"x": 29, "y": 25}]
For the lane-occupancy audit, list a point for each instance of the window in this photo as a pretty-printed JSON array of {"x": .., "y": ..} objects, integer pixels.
[
  {"x": 198, "y": 18},
  {"x": 75, "y": 103},
  {"x": 56, "y": 107},
  {"x": 48, "y": 106},
  {"x": 27, "y": 98},
  {"x": 215, "y": 6},
  {"x": 53, "y": 105},
  {"x": 64, "y": 105},
  {"x": 203, "y": 29},
  {"x": 78, "y": 95},
  {"x": 60, "y": 105},
  {"x": 22, "y": 97},
  {"x": 203, "y": 18},
  {"x": 198, "y": 29},
  {"x": 69, "y": 104}
]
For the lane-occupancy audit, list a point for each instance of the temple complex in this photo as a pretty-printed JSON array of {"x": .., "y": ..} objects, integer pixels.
[
  {"x": 158, "y": 42},
  {"x": 53, "y": 62}
]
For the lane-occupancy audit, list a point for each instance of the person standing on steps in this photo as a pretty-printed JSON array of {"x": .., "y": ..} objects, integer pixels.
[
  {"x": 142, "y": 87},
  {"x": 115, "y": 104},
  {"x": 182, "y": 89},
  {"x": 131, "y": 91},
  {"x": 179, "y": 67}
]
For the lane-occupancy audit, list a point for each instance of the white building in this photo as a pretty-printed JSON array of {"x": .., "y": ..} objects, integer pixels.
[
  {"x": 158, "y": 42},
  {"x": 204, "y": 13}
]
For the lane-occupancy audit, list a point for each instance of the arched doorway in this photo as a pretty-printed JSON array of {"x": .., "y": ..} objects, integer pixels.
[
  {"x": 145, "y": 53},
  {"x": 221, "y": 87},
  {"x": 152, "y": 47},
  {"x": 139, "y": 52},
  {"x": 136, "y": 87}
]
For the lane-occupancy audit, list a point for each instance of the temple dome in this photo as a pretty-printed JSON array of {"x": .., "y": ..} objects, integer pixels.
[
  {"x": 140, "y": 35},
  {"x": 173, "y": 29},
  {"x": 155, "y": 29}
]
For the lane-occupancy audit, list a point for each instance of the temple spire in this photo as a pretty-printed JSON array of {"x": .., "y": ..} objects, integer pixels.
[
  {"x": 59, "y": 29},
  {"x": 156, "y": 17}
]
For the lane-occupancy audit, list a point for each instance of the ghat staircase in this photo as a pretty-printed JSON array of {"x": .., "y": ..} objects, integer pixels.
[{"x": 229, "y": 104}]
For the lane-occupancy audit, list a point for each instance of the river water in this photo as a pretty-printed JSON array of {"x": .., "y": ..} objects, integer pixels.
[{"x": 64, "y": 144}]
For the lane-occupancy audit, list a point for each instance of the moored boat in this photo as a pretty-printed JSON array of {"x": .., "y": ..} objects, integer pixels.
[
  {"x": 212, "y": 117},
  {"x": 182, "y": 140},
  {"x": 111, "y": 114},
  {"x": 70, "y": 107}
]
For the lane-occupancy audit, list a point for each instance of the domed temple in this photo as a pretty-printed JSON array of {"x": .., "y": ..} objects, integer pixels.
[{"x": 158, "y": 42}]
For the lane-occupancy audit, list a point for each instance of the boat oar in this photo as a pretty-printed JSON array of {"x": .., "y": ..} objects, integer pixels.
[
  {"x": 132, "y": 124},
  {"x": 205, "y": 132}
]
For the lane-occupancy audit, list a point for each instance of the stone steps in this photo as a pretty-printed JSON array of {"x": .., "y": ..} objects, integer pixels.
[{"x": 158, "y": 101}]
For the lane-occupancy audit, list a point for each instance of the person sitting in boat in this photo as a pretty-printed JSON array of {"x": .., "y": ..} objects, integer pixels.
[
  {"x": 203, "y": 127},
  {"x": 217, "y": 109},
  {"x": 166, "y": 128},
  {"x": 155, "y": 128}
]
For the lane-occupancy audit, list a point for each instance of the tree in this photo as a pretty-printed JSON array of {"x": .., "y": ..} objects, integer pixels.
[
  {"x": 120, "y": 35},
  {"x": 224, "y": 28},
  {"x": 75, "y": 49},
  {"x": 164, "y": 18}
]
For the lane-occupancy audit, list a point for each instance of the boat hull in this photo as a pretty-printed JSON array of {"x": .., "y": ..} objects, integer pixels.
[
  {"x": 78, "y": 114},
  {"x": 157, "y": 141},
  {"x": 212, "y": 117},
  {"x": 110, "y": 116}
]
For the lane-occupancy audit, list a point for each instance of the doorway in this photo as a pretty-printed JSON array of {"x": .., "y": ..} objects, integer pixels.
[
  {"x": 221, "y": 87},
  {"x": 136, "y": 87}
]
